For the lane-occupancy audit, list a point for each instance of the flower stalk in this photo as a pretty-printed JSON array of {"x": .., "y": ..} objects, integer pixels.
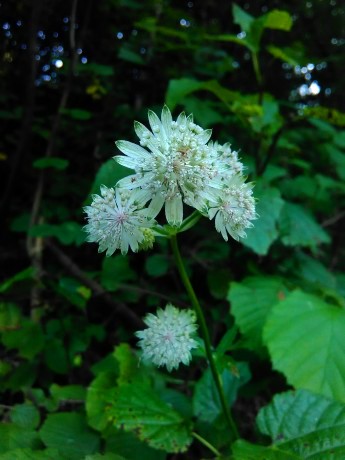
[{"x": 204, "y": 333}]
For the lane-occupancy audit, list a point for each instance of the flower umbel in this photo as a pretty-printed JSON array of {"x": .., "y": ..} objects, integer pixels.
[
  {"x": 116, "y": 220},
  {"x": 168, "y": 340},
  {"x": 177, "y": 166}
]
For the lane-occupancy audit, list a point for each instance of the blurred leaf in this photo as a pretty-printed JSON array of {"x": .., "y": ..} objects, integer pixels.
[
  {"x": 264, "y": 232},
  {"x": 75, "y": 292},
  {"x": 251, "y": 301},
  {"x": 25, "y": 416},
  {"x": 298, "y": 227},
  {"x": 33, "y": 454},
  {"x": 126, "y": 444},
  {"x": 108, "y": 174},
  {"x": 278, "y": 19},
  {"x": 328, "y": 114},
  {"x": 28, "y": 339},
  {"x": 68, "y": 432},
  {"x": 99, "y": 395},
  {"x": 67, "y": 233},
  {"x": 69, "y": 393},
  {"x": 317, "y": 330},
  {"x": 23, "y": 275},
  {"x": 218, "y": 282},
  {"x": 56, "y": 357},
  {"x": 157, "y": 265},
  {"x": 51, "y": 162},
  {"x": 243, "y": 19},
  {"x": 116, "y": 270},
  {"x": 78, "y": 114},
  {"x": 13, "y": 436},
  {"x": 129, "y": 55}
]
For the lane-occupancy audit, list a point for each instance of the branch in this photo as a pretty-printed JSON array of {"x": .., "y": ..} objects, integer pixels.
[{"x": 119, "y": 308}]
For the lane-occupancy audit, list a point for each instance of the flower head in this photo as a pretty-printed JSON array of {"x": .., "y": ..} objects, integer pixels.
[
  {"x": 168, "y": 340},
  {"x": 173, "y": 162},
  {"x": 234, "y": 208},
  {"x": 116, "y": 220}
]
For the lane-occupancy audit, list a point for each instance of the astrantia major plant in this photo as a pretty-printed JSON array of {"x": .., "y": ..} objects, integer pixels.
[{"x": 176, "y": 166}]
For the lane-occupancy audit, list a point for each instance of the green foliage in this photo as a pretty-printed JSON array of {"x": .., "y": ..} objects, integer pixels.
[
  {"x": 72, "y": 382},
  {"x": 320, "y": 362}
]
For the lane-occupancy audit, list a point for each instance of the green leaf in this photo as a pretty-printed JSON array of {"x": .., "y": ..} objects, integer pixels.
[
  {"x": 67, "y": 233},
  {"x": 265, "y": 232},
  {"x": 51, "y": 162},
  {"x": 75, "y": 292},
  {"x": 13, "y": 436},
  {"x": 293, "y": 55},
  {"x": 126, "y": 444},
  {"x": 55, "y": 356},
  {"x": 305, "y": 323},
  {"x": 206, "y": 403},
  {"x": 179, "y": 89},
  {"x": 298, "y": 227},
  {"x": 278, "y": 19},
  {"x": 108, "y": 174},
  {"x": 23, "y": 275},
  {"x": 106, "y": 456},
  {"x": 138, "y": 409},
  {"x": 157, "y": 265},
  {"x": 25, "y": 416},
  {"x": 116, "y": 270},
  {"x": 99, "y": 394},
  {"x": 243, "y": 450},
  {"x": 68, "y": 432},
  {"x": 243, "y": 19},
  {"x": 9, "y": 316},
  {"x": 78, "y": 114},
  {"x": 68, "y": 393},
  {"x": 127, "y": 54},
  {"x": 218, "y": 282},
  {"x": 28, "y": 339},
  {"x": 251, "y": 301},
  {"x": 33, "y": 454},
  {"x": 293, "y": 414}
]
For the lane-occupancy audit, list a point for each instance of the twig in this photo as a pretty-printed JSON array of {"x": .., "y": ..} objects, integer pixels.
[
  {"x": 33, "y": 248},
  {"x": 333, "y": 220},
  {"x": 119, "y": 308}
]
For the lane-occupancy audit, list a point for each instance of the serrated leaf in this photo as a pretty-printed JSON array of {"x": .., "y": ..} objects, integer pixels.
[
  {"x": 206, "y": 403},
  {"x": 126, "y": 444},
  {"x": 298, "y": 227},
  {"x": 251, "y": 301},
  {"x": 138, "y": 409},
  {"x": 264, "y": 232},
  {"x": 99, "y": 394},
  {"x": 294, "y": 414},
  {"x": 316, "y": 329},
  {"x": 243, "y": 450},
  {"x": 68, "y": 432}
]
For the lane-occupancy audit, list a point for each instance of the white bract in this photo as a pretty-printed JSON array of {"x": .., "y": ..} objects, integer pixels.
[
  {"x": 169, "y": 337},
  {"x": 173, "y": 162},
  {"x": 117, "y": 219},
  {"x": 234, "y": 208}
]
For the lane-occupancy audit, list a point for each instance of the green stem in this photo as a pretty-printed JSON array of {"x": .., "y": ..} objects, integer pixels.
[
  {"x": 206, "y": 443},
  {"x": 204, "y": 332}
]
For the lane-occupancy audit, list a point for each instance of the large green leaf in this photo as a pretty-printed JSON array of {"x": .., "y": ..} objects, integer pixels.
[
  {"x": 251, "y": 301},
  {"x": 243, "y": 450},
  {"x": 299, "y": 228},
  {"x": 264, "y": 232},
  {"x": 305, "y": 337},
  {"x": 68, "y": 432},
  {"x": 131, "y": 448},
  {"x": 206, "y": 403},
  {"x": 33, "y": 454},
  {"x": 294, "y": 414},
  {"x": 138, "y": 409},
  {"x": 13, "y": 436}
]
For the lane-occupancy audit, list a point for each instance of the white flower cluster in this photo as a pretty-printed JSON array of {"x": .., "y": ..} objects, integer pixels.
[
  {"x": 169, "y": 337},
  {"x": 117, "y": 219},
  {"x": 175, "y": 164}
]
